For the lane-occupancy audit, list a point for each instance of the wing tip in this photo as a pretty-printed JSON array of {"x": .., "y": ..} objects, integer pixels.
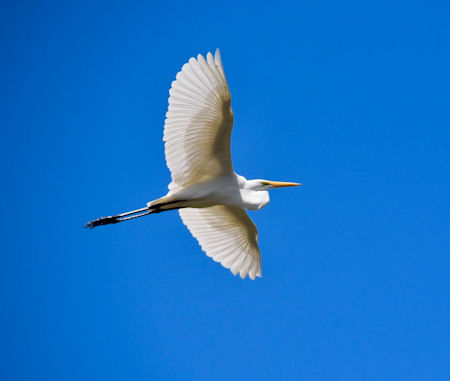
[
  {"x": 250, "y": 274},
  {"x": 218, "y": 60}
]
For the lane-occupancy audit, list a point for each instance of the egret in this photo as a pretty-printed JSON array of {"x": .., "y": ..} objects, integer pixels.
[{"x": 210, "y": 197}]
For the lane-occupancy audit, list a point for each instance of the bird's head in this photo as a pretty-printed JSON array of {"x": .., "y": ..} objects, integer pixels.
[{"x": 264, "y": 185}]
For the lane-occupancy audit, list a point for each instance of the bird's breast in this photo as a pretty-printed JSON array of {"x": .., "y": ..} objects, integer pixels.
[{"x": 254, "y": 200}]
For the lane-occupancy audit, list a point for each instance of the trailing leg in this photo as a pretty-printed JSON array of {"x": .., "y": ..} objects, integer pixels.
[{"x": 157, "y": 206}]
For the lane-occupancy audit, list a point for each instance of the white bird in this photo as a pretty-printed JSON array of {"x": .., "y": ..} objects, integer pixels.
[{"x": 210, "y": 196}]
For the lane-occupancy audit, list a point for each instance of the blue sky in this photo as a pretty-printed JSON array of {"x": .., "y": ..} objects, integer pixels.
[{"x": 350, "y": 99}]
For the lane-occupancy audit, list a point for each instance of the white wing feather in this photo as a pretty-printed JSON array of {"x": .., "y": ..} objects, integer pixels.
[
  {"x": 198, "y": 124},
  {"x": 227, "y": 235}
]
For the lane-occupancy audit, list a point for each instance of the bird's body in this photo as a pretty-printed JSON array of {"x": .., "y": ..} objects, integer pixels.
[
  {"x": 210, "y": 196},
  {"x": 234, "y": 190}
]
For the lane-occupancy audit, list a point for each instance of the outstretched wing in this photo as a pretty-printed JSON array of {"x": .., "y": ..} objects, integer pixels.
[
  {"x": 199, "y": 121},
  {"x": 227, "y": 235}
]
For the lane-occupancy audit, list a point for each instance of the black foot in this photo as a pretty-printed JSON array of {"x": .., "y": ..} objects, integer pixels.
[{"x": 102, "y": 221}]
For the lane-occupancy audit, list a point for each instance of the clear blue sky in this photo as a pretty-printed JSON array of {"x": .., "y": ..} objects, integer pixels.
[{"x": 350, "y": 99}]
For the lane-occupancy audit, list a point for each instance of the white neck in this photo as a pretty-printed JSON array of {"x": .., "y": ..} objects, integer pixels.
[{"x": 252, "y": 195}]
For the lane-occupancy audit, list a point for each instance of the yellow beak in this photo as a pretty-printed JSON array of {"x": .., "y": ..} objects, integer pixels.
[{"x": 279, "y": 184}]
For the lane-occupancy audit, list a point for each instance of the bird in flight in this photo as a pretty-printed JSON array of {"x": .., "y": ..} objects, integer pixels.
[{"x": 210, "y": 197}]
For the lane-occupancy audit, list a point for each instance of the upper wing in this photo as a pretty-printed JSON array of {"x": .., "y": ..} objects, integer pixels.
[
  {"x": 227, "y": 235},
  {"x": 197, "y": 130}
]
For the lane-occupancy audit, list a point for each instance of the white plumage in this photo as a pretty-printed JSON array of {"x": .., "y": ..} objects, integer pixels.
[
  {"x": 198, "y": 125},
  {"x": 210, "y": 196},
  {"x": 227, "y": 235}
]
